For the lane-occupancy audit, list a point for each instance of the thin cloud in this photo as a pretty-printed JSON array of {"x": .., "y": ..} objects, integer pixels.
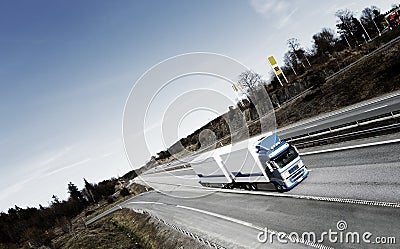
[
  {"x": 107, "y": 154},
  {"x": 68, "y": 166},
  {"x": 19, "y": 184},
  {"x": 268, "y": 7},
  {"x": 279, "y": 11},
  {"x": 54, "y": 158},
  {"x": 151, "y": 127},
  {"x": 14, "y": 188},
  {"x": 287, "y": 18}
]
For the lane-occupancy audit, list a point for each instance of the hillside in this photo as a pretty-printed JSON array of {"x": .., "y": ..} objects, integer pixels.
[{"x": 373, "y": 73}]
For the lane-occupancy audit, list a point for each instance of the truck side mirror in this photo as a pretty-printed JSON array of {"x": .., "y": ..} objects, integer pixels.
[
  {"x": 270, "y": 166},
  {"x": 273, "y": 164}
]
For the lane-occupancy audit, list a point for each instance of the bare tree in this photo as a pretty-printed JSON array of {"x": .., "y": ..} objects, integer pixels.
[
  {"x": 290, "y": 61},
  {"x": 324, "y": 41},
  {"x": 298, "y": 51},
  {"x": 251, "y": 81},
  {"x": 368, "y": 16},
  {"x": 349, "y": 26}
]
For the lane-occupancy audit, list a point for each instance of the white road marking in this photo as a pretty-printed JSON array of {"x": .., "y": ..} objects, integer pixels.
[
  {"x": 147, "y": 202},
  {"x": 350, "y": 147},
  {"x": 311, "y": 126},
  {"x": 224, "y": 217},
  {"x": 376, "y": 108},
  {"x": 323, "y": 198}
]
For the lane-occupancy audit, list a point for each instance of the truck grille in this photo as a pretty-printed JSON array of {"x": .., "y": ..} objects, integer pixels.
[
  {"x": 293, "y": 169},
  {"x": 296, "y": 176}
]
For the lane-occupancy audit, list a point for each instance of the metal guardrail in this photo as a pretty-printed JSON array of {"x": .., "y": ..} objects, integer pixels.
[
  {"x": 346, "y": 126},
  {"x": 352, "y": 134},
  {"x": 105, "y": 213}
]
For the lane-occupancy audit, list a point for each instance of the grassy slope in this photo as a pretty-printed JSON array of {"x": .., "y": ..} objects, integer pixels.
[
  {"x": 372, "y": 77},
  {"x": 124, "y": 229}
]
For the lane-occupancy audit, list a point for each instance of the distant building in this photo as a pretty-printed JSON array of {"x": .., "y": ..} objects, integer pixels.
[{"x": 392, "y": 17}]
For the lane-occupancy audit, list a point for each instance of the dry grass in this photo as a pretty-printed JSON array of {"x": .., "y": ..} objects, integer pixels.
[
  {"x": 102, "y": 234},
  {"x": 124, "y": 229}
]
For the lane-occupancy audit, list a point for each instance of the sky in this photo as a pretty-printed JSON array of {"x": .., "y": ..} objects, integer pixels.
[{"x": 68, "y": 67}]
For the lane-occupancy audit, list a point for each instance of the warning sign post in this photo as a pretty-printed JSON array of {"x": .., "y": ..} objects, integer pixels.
[{"x": 277, "y": 70}]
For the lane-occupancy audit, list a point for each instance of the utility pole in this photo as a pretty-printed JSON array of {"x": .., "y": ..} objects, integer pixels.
[
  {"x": 291, "y": 65},
  {"x": 309, "y": 64},
  {"x": 376, "y": 26},
  {"x": 369, "y": 38},
  {"x": 346, "y": 40}
]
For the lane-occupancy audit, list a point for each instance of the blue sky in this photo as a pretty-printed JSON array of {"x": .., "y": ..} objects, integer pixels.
[{"x": 66, "y": 69}]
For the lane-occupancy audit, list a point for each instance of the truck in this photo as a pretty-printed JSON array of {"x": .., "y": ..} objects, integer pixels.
[{"x": 254, "y": 164}]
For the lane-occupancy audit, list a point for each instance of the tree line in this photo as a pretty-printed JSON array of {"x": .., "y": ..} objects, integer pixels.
[
  {"x": 35, "y": 225},
  {"x": 351, "y": 34}
]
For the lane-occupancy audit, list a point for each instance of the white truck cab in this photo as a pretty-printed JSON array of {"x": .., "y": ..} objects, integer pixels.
[{"x": 282, "y": 162}]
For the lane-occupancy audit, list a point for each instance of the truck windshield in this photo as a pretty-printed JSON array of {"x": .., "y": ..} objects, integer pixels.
[{"x": 285, "y": 157}]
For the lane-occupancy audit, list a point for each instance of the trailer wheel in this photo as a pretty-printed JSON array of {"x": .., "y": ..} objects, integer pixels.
[{"x": 278, "y": 187}]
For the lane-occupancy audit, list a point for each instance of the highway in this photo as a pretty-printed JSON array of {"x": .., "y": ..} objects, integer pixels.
[
  {"x": 355, "y": 182},
  {"x": 366, "y": 174}
]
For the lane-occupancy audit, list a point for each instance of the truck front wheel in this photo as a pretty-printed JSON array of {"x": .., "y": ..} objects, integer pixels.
[{"x": 278, "y": 187}]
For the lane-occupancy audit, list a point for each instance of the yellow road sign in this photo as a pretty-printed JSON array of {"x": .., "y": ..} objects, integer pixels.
[
  {"x": 274, "y": 65},
  {"x": 272, "y": 60},
  {"x": 234, "y": 88}
]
